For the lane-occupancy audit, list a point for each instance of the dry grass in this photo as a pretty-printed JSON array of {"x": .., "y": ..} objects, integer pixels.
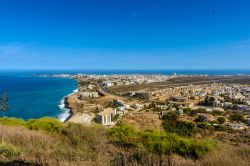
[
  {"x": 79, "y": 146},
  {"x": 228, "y": 156},
  {"x": 86, "y": 146},
  {"x": 143, "y": 121}
]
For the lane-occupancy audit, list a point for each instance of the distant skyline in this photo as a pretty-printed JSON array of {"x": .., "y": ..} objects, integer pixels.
[{"x": 124, "y": 34}]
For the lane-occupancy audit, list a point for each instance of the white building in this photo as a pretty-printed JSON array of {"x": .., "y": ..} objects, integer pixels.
[
  {"x": 88, "y": 95},
  {"x": 106, "y": 116}
]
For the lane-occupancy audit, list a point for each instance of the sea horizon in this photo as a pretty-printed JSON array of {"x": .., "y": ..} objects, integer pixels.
[{"x": 130, "y": 71}]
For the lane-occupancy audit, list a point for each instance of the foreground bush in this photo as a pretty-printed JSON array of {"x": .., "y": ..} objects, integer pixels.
[
  {"x": 12, "y": 122},
  {"x": 9, "y": 151},
  {"x": 160, "y": 142},
  {"x": 76, "y": 144},
  {"x": 181, "y": 128},
  {"x": 45, "y": 124}
]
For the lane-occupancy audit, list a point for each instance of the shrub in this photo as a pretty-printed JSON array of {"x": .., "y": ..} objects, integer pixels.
[
  {"x": 181, "y": 128},
  {"x": 199, "y": 148},
  {"x": 45, "y": 124},
  {"x": 214, "y": 122},
  {"x": 217, "y": 113},
  {"x": 221, "y": 128},
  {"x": 124, "y": 134},
  {"x": 200, "y": 118},
  {"x": 221, "y": 120},
  {"x": 162, "y": 143},
  {"x": 9, "y": 151},
  {"x": 236, "y": 117},
  {"x": 170, "y": 116},
  {"x": 187, "y": 110},
  {"x": 12, "y": 121},
  {"x": 193, "y": 113},
  {"x": 203, "y": 125}
]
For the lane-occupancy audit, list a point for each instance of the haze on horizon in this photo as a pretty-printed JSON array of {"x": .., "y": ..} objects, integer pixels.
[{"x": 124, "y": 34}]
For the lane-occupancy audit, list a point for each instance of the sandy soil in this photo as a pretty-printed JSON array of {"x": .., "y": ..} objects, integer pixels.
[{"x": 144, "y": 120}]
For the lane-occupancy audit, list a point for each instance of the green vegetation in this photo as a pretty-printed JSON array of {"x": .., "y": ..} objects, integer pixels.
[
  {"x": 236, "y": 117},
  {"x": 9, "y": 151},
  {"x": 221, "y": 120},
  {"x": 124, "y": 134},
  {"x": 170, "y": 116},
  {"x": 231, "y": 100},
  {"x": 160, "y": 143},
  {"x": 217, "y": 113},
  {"x": 200, "y": 118},
  {"x": 171, "y": 124},
  {"x": 45, "y": 124},
  {"x": 209, "y": 101},
  {"x": 66, "y": 144},
  {"x": 192, "y": 112},
  {"x": 181, "y": 128},
  {"x": 12, "y": 121}
]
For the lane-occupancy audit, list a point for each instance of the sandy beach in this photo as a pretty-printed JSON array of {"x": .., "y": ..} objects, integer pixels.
[{"x": 70, "y": 102}]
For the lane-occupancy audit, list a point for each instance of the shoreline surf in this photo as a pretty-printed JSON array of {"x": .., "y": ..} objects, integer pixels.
[{"x": 64, "y": 106}]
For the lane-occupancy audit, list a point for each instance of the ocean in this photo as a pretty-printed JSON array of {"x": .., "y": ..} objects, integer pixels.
[
  {"x": 31, "y": 96},
  {"x": 34, "y": 97}
]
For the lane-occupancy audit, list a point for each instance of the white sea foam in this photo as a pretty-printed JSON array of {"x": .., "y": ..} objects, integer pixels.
[{"x": 65, "y": 111}]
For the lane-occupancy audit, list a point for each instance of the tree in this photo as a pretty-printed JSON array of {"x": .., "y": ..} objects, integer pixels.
[
  {"x": 161, "y": 144},
  {"x": 170, "y": 116},
  {"x": 221, "y": 120},
  {"x": 200, "y": 118},
  {"x": 4, "y": 107},
  {"x": 209, "y": 101},
  {"x": 236, "y": 117},
  {"x": 181, "y": 128}
]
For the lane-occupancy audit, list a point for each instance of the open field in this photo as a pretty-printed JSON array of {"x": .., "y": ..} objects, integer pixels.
[{"x": 182, "y": 81}]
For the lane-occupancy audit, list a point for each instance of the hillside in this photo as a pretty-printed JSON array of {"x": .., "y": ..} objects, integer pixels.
[{"x": 49, "y": 142}]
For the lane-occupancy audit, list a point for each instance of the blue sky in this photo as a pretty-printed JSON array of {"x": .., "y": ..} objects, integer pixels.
[{"x": 124, "y": 34}]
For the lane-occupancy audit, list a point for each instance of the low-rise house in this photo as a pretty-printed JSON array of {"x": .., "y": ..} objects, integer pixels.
[
  {"x": 218, "y": 109},
  {"x": 242, "y": 107},
  {"x": 143, "y": 95},
  {"x": 178, "y": 99},
  {"x": 137, "y": 106},
  {"x": 107, "y": 84},
  {"x": 237, "y": 126},
  {"x": 238, "y": 96},
  {"x": 227, "y": 104},
  {"x": 83, "y": 95}
]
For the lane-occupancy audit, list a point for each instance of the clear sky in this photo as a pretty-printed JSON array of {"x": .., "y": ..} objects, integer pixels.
[{"x": 124, "y": 34}]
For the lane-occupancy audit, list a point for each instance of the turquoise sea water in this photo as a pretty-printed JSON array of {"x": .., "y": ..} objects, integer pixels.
[{"x": 33, "y": 97}]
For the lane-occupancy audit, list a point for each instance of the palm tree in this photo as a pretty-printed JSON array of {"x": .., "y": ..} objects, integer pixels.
[{"x": 4, "y": 107}]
